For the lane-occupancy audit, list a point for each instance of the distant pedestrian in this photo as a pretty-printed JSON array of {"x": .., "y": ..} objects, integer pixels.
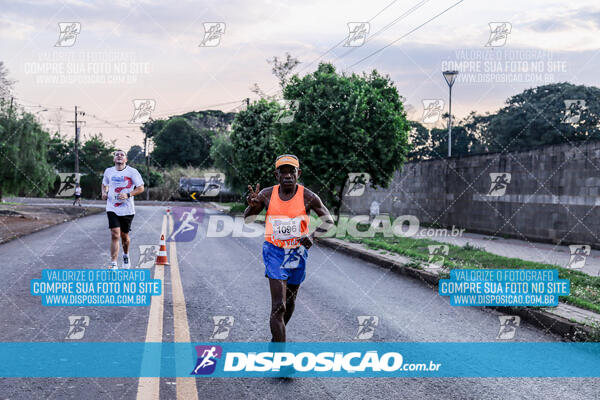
[
  {"x": 373, "y": 210},
  {"x": 77, "y": 195}
]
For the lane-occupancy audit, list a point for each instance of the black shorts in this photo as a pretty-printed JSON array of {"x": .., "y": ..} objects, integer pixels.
[{"x": 119, "y": 221}]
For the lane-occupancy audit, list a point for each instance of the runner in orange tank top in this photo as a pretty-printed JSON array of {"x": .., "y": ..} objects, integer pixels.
[{"x": 287, "y": 238}]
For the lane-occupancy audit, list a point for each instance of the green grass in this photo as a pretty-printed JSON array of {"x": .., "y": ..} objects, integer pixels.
[
  {"x": 585, "y": 289},
  {"x": 594, "y": 336},
  {"x": 236, "y": 208}
]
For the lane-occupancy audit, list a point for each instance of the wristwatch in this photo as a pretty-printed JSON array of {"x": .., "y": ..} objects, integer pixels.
[{"x": 128, "y": 195}]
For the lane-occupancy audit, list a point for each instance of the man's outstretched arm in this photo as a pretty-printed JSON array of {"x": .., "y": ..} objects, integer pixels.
[{"x": 256, "y": 204}]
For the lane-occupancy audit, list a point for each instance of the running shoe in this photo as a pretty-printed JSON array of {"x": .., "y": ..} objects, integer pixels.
[{"x": 126, "y": 262}]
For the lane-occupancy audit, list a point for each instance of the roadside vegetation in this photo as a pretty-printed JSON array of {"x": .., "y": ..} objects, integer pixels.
[{"x": 585, "y": 289}]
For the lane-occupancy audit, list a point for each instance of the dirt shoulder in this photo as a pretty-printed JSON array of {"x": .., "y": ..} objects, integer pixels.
[{"x": 17, "y": 220}]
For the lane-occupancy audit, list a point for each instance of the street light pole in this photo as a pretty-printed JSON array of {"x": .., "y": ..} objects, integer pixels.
[
  {"x": 450, "y": 77},
  {"x": 450, "y": 121}
]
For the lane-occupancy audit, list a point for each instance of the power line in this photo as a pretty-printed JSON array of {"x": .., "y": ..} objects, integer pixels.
[
  {"x": 344, "y": 39},
  {"x": 37, "y": 104},
  {"x": 201, "y": 108},
  {"x": 112, "y": 124},
  {"x": 385, "y": 8},
  {"x": 406, "y": 34},
  {"x": 388, "y": 26},
  {"x": 117, "y": 124},
  {"x": 183, "y": 110},
  {"x": 306, "y": 65}
]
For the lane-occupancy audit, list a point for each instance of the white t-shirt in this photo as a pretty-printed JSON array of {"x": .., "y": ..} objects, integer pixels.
[
  {"x": 77, "y": 191},
  {"x": 118, "y": 182}
]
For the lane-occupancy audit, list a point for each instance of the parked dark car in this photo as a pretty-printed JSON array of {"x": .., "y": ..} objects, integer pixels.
[{"x": 209, "y": 188}]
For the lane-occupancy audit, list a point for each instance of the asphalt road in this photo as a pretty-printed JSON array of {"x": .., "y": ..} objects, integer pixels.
[{"x": 225, "y": 277}]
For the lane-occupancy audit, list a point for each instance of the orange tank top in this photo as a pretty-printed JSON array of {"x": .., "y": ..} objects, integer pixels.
[{"x": 286, "y": 221}]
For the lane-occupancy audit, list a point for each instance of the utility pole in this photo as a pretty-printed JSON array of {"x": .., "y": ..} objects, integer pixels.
[
  {"x": 10, "y": 114},
  {"x": 147, "y": 154},
  {"x": 76, "y": 144},
  {"x": 76, "y": 122}
]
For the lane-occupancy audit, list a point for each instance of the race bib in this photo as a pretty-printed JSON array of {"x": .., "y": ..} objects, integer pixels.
[
  {"x": 116, "y": 201},
  {"x": 286, "y": 228}
]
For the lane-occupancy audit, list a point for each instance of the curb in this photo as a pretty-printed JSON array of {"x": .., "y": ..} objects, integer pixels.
[{"x": 550, "y": 322}]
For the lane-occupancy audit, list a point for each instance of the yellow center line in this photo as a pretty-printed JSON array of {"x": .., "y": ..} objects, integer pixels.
[
  {"x": 149, "y": 387},
  {"x": 186, "y": 386}
]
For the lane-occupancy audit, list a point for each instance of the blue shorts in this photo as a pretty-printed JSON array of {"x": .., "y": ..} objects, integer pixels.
[{"x": 286, "y": 264}]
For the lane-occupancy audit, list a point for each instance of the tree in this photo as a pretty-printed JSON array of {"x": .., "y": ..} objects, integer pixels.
[
  {"x": 464, "y": 142},
  {"x": 186, "y": 139},
  {"x": 153, "y": 127},
  {"x": 179, "y": 143},
  {"x": 6, "y": 84},
  {"x": 222, "y": 152},
  {"x": 23, "y": 151},
  {"x": 540, "y": 116},
  {"x": 95, "y": 155},
  {"x": 345, "y": 124},
  {"x": 254, "y": 144},
  {"x": 283, "y": 68},
  {"x": 213, "y": 120},
  {"x": 429, "y": 144},
  {"x": 152, "y": 178},
  {"x": 420, "y": 141},
  {"x": 550, "y": 114},
  {"x": 60, "y": 153},
  {"x": 135, "y": 155}
]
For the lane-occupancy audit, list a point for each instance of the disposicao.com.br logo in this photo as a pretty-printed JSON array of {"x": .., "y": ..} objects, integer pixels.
[
  {"x": 290, "y": 358},
  {"x": 320, "y": 362}
]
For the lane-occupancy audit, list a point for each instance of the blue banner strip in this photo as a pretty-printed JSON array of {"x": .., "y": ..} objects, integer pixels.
[{"x": 313, "y": 359}]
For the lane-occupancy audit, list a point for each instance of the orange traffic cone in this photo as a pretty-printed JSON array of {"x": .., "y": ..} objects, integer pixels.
[{"x": 161, "y": 258}]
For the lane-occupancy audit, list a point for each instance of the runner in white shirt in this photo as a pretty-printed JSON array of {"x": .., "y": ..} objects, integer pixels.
[{"x": 119, "y": 185}]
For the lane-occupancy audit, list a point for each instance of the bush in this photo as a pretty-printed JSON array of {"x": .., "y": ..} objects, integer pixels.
[{"x": 91, "y": 185}]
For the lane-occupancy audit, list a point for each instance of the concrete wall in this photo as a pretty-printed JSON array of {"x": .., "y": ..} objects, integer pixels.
[{"x": 553, "y": 194}]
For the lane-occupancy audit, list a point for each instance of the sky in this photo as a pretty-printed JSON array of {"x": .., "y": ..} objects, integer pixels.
[{"x": 122, "y": 52}]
